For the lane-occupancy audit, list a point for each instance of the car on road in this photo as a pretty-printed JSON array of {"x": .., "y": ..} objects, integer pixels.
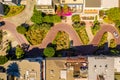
[
  {"x": 115, "y": 34},
  {"x": 2, "y": 23}
]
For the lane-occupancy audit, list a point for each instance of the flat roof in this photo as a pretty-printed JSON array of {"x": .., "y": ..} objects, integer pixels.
[
  {"x": 44, "y": 2},
  {"x": 92, "y": 3}
]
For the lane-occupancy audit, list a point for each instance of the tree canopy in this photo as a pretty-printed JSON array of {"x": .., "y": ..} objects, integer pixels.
[
  {"x": 37, "y": 17},
  {"x": 113, "y": 14},
  {"x": 49, "y": 51},
  {"x": 19, "y": 52},
  {"x": 21, "y": 29},
  {"x": 3, "y": 59}
]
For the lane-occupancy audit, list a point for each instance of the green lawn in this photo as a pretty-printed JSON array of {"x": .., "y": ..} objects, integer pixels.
[{"x": 14, "y": 10}]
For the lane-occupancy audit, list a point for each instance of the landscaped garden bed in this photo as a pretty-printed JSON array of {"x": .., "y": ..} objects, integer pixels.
[
  {"x": 36, "y": 33},
  {"x": 61, "y": 40},
  {"x": 112, "y": 43},
  {"x": 103, "y": 40},
  {"x": 14, "y": 10},
  {"x": 96, "y": 26},
  {"x": 82, "y": 34}
]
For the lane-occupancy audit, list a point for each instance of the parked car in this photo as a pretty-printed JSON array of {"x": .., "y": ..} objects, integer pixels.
[
  {"x": 2, "y": 23},
  {"x": 115, "y": 34}
]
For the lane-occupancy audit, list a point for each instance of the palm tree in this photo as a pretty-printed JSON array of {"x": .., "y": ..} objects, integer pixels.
[{"x": 13, "y": 71}]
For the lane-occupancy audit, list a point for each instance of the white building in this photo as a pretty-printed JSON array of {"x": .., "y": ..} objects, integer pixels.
[{"x": 100, "y": 68}]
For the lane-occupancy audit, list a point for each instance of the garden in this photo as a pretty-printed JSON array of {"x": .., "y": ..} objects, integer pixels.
[
  {"x": 96, "y": 26},
  {"x": 13, "y": 10},
  {"x": 36, "y": 33},
  {"x": 112, "y": 43},
  {"x": 61, "y": 40},
  {"x": 79, "y": 26},
  {"x": 82, "y": 34},
  {"x": 103, "y": 40}
]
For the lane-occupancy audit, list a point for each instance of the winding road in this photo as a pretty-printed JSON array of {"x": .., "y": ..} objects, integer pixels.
[
  {"x": 61, "y": 27},
  {"x": 105, "y": 28},
  {"x": 24, "y": 16},
  {"x": 70, "y": 31}
]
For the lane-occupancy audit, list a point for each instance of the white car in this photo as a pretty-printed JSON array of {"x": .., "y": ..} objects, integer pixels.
[{"x": 115, "y": 34}]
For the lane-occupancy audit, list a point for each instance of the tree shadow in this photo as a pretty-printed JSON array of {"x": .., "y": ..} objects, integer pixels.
[
  {"x": 34, "y": 52},
  {"x": 82, "y": 50},
  {"x": 13, "y": 71}
]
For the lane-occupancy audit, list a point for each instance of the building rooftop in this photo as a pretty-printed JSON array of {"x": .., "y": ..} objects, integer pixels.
[
  {"x": 44, "y": 2},
  {"x": 92, "y": 3},
  {"x": 101, "y": 67},
  {"x": 28, "y": 70},
  {"x": 56, "y": 67}
]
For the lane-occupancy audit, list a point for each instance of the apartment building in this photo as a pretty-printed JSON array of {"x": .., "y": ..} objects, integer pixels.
[
  {"x": 100, "y": 68},
  {"x": 46, "y": 6},
  {"x": 22, "y": 70},
  {"x": 74, "y": 68}
]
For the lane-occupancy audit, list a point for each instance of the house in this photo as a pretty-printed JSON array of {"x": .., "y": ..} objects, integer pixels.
[
  {"x": 24, "y": 70},
  {"x": 100, "y": 68},
  {"x": 46, "y": 6},
  {"x": 74, "y": 68}
]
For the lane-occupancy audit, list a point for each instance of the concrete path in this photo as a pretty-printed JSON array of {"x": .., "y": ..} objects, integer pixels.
[
  {"x": 89, "y": 32},
  {"x": 24, "y": 16},
  {"x": 12, "y": 28}
]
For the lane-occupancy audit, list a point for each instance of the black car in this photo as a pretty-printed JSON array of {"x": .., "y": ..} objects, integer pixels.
[{"x": 2, "y": 23}]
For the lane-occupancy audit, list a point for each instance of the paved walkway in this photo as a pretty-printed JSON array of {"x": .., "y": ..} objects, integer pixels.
[
  {"x": 23, "y": 16},
  {"x": 12, "y": 28},
  {"x": 89, "y": 32}
]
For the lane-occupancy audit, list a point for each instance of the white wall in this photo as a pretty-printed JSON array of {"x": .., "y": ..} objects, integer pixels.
[{"x": 109, "y": 3}]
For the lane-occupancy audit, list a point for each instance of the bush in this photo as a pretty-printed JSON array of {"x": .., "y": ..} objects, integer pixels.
[
  {"x": 49, "y": 51},
  {"x": 21, "y": 29},
  {"x": 3, "y": 60},
  {"x": 37, "y": 17},
  {"x": 112, "y": 43},
  {"x": 19, "y": 52},
  {"x": 76, "y": 18},
  {"x": 103, "y": 40},
  {"x": 6, "y": 9}
]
